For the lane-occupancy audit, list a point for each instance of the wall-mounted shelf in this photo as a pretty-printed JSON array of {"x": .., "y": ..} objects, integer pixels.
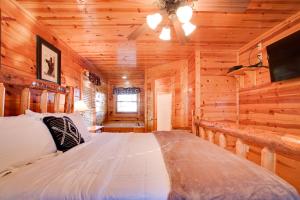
[{"x": 242, "y": 71}]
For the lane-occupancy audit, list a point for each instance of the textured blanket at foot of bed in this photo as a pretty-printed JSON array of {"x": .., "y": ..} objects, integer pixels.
[{"x": 201, "y": 170}]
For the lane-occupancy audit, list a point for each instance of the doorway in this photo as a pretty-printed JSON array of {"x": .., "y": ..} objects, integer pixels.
[{"x": 164, "y": 112}]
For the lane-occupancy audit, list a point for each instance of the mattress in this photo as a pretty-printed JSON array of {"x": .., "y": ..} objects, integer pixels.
[
  {"x": 164, "y": 165},
  {"x": 111, "y": 166}
]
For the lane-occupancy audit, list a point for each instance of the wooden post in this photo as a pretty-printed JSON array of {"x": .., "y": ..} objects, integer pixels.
[
  {"x": 69, "y": 101},
  {"x": 222, "y": 141},
  {"x": 211, "y": 136},
  {"x": 44, "y": 101},
  {"x": 241, "y": 149},
  {"x": 197, "y": 83},
  {"x": 2, "y": 99},
  {"x": 202, "y": 133},
  {"x": 237, "y": 78},
  {"x": 268, "y": 159},
  {"x": 25, "y": 100},
  {"x": 56, "y": 102}
]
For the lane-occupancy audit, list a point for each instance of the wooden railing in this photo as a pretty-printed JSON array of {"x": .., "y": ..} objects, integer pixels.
[
  {"x": 62, "y": 98},
  {"x": 270, "y": 142}
]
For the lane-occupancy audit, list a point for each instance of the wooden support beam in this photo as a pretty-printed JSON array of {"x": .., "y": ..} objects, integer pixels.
[
  {"x": 241, "y": 149},
  {"x": 25, "y": 100},
  {"x": 211, "y": 136},
  {"x": 44, "y": 101},
  {"x": 56, "y": 102},
  {"x": 202, "y": 133},
  {"x": 197, "y": 83},
  {"x": 2, "y": 99},
  {"x": 69, "y": 100},
  {"x": 222, "y": 141},
  {"x": 237, "y": 94},
  {"x": 268, "y": 159}
]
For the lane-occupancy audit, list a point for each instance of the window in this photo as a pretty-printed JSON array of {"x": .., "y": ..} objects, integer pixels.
[{"x": 127, "y": 103}]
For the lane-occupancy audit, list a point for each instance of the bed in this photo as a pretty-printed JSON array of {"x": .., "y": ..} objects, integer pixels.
[
  {"x": 170, "y": 165},
  {"x": 164, "y": 165}
]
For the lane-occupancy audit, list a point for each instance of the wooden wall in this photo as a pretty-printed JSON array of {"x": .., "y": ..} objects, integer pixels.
[
  {"x": 266, "y": 105},
  {"x": 217, "y": 91},
  {"x": 271, "y": 106},
  {"x": 18, "y": 53},
  {"x": 218, "y": 98},
  {"x": 112, "y": 112},
  {"x": 177, "y": 73}
]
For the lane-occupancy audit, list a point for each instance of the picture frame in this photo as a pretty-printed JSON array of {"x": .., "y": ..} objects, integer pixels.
[{"x": 48, "y": 59}]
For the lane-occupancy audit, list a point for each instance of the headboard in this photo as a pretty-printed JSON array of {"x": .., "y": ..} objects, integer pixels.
[{"x": 38, "y": 97}]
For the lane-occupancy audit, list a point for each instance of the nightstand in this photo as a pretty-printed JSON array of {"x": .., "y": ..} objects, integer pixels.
[{"x": 95, "y": 129}]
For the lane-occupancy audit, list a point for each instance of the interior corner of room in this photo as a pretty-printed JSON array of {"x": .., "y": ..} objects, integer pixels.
[{"x": 225, "y": 81}]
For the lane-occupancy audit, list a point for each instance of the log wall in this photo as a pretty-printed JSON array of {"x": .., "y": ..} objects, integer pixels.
[
  {"x": 271, "y": 106},
  {"x": 18, "y": 55},
  {"x": 266, "y": 105}
]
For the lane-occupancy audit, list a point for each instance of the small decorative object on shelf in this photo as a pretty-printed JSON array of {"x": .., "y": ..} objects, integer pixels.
[{"x": 48, "y": 86}]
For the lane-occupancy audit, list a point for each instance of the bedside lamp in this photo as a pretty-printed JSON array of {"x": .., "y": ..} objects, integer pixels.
[{"x": 80, "y": 106}]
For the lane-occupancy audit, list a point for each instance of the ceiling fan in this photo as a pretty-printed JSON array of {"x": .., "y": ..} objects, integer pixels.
[{"x": 179, "y": 14}]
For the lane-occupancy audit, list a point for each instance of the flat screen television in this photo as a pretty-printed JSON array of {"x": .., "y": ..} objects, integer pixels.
[{"x": 284, "y": 58}]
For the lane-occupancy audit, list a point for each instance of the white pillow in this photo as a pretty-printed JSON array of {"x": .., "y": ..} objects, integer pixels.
[
  {"x": 75, "y": 117},
  {"x": 23, "y": 140}
]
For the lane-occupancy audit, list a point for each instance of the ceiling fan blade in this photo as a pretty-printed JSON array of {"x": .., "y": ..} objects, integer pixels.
[
  {"x": 138, "y": 31},
  {"x": 178, "y": 29},
  {"x": 221, "y": 5}
]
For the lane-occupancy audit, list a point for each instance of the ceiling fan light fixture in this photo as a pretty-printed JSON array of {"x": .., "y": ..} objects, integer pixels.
[
  {"x": 184, "y": 14},
  {"x": 165, "y": 34},
  {"x": 153, "y": 20},
  {"x": 188, "y": 28}
]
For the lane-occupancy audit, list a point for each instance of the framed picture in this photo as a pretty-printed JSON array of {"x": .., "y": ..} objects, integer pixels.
[{"x": 48, "y": 59}]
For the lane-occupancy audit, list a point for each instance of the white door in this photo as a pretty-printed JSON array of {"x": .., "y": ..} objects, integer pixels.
[{"x": 164, "y": 112}]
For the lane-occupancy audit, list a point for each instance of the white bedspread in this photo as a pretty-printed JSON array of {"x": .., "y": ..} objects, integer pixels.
[{"x": 111, "y": 166}]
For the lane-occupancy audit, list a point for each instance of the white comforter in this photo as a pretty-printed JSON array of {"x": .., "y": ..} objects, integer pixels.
[{"x": 111, "y": 166}]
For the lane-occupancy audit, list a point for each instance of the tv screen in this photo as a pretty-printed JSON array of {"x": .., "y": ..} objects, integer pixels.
[{"x": 284, "y": 58}]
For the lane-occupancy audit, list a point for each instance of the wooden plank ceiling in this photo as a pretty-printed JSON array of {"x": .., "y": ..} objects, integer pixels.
[{"x": 98, "y": 30}]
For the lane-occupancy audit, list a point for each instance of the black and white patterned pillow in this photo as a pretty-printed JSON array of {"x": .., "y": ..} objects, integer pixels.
[{"x": 64, "y": 132}]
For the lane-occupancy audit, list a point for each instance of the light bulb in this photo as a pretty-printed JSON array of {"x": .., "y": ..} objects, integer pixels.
[
  {"x": 184, "y": 14},
  {"x": 188, "y": 28},
  {"x": 165, "y": 34},
  {"x": 153, "y": 20}
]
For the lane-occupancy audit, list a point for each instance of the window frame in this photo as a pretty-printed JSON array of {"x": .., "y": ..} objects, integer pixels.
[{"x": 120, "y": 112}]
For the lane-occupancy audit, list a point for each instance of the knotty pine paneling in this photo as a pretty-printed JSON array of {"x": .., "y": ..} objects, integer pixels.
[
  {"x": 217, "y": 63},
  {"x": 266, "y": 105},
  {"x": 191, "y": 88},
  {"x": 218, "y": 98},
  {"x": 271, "y": 106},
  {"x": 177, "y": 73},
  {"x": 18, "y": 55}
]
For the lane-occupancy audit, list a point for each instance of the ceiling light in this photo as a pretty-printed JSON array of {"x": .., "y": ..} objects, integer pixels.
[
  {"x": 124, "y": 77},
  {"x": 153, "y": 20},
  {"x": 165, "y": 34},
  {"x": 188, "y": 28},
  {"x": 127, "y": 83},
  {"x": 184, "y": 14}
]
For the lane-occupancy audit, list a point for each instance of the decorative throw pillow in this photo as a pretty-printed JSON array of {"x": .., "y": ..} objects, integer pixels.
[{"x": 64, "y": 132}]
